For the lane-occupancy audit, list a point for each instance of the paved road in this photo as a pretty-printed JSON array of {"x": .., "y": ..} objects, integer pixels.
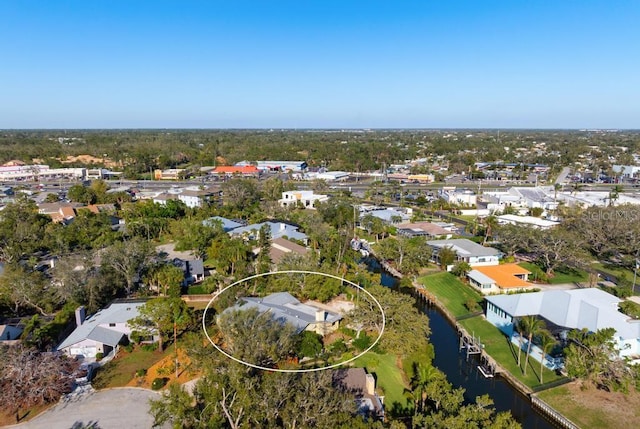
[
  {"x": 562, "y": 177},
  {"x": 123, "y": 408}
]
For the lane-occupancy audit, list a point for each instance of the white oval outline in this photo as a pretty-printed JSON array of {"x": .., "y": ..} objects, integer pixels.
[{"x": 335, "y": 365}]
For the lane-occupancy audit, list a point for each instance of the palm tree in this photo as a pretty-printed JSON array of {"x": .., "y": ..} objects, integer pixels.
[
  {"x": 530, "y": 326},
  {"x": 546, "y": 344},
  {"x": 615, "y": 194},
  {"x": 490, "y": 222},
  {"x": 424, "y": 375}
]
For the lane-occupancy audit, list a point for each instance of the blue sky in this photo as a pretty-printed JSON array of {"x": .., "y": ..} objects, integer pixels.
[{"x": 319, "y": 64}]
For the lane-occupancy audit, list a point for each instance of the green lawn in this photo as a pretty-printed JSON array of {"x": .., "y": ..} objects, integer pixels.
[
  {"x": 620, "y": 273},
  {"x": 388, "y": 377},
  {"x": 559, "y": 277},
  {"x": 450, "y": 291},
  {"x": 497, "y": 346},
  {"x": 122, "y": 369},
  {"x": 612, "y": 410}
]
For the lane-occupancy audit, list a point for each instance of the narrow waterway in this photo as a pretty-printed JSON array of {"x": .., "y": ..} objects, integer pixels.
[{"x": 462, "y": 373}]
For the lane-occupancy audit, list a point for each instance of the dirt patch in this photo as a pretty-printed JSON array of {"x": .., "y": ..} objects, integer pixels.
[
  {"x": 166, "y": 368},
  {"x": 619, "y": 410},
  {"x": 88, "y": 159}
]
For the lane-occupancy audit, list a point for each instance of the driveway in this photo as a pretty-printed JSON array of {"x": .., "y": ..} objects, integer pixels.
[{"x": 121, "y": 408}]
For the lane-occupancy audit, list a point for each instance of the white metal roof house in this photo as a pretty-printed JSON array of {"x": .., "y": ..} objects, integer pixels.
[
  {"x": 589, "y": 308},
  {"x": 531, "y": 221},
  {"x": 277, "y": 229},
  {"x": 466, "y": 250},
  {"x": 287, "y": 309},
  {"x": 102, "y": 332}
]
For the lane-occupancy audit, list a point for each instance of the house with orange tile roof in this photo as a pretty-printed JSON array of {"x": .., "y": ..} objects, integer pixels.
[{"x": 499, "y": 278}]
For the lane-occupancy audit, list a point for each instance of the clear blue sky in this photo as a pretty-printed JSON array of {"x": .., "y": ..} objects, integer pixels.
[{"x": 319, "y": 64}]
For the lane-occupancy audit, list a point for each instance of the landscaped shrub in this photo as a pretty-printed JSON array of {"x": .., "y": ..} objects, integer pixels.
[
  {"x": 136, "y": 337},
  {"x": 158, "y": 383},
  {"x": 362, "y": 342},
  {"x": 99, "y": 355},
  {"x": 472, "y": 305},
  {"x": 338, "y": 347},
  {"x": 150, "y": 347},
  {"x": 141, "y": 372},
  {"x": 128, "y": 348}
]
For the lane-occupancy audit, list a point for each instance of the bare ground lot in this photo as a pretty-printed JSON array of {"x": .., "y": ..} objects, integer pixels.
[{"x": 592, "y": 408}]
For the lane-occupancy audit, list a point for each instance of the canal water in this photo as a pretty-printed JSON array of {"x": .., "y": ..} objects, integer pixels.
[{"x": 462, "y": 373}]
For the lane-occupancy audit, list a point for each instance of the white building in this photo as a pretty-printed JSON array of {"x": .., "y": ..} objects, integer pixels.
[
  {"x": 466, "y": 251},
  {"x": 306, "y": 198},
  {"x": 530, "y": 221},
  {"x": 626, "y": 170},
  {"x": 591, "y": 309},
  {"x": 40, "y": 172},
  {"x": 102, "y": 332}
]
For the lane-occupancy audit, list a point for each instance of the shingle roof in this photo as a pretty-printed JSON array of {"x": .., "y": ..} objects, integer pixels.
[
  {"x": 120, "y": 312},
  {"x": 464, "y": 247},
  {"x": 287, "y": 309}
]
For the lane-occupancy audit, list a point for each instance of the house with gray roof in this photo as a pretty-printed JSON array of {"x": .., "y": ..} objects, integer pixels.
[
  {"x": 227, "y": 224},
  {"x": 102, "y": 332},
  {"x": 563, "y": 310},
  {"x": 285, "y": 308},
  {"x": 357, "y": 382},
  {"x": 466, "y": 251},
  {"x": 277, "y": 229}
]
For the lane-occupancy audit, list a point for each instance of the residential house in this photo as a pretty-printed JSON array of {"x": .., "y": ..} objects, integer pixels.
[
  {"x": 163, "y": 197},
  {"x": 281, "y": 247},
  {"x": 499, "y": 278},
  {"x": 307, "y": 199},
  {"x": 102, "y": 332},
  {"x": 363, "y": 386},
  {"x": 195, "y": 198},
  {"x": 530, "y": 221},
  {"x": 390, "y": 216},
  {"x": 59, "y": 212},
  {"x": 423, "y": 229},
  {"x": 287, "y": 309},
  {"x": 193, "y": 270},
  {"x": 227, "y": 224},
  {"x": 563, "y": 310},
  {"x": 277, "y": 230},
  {"x": 466, "y": 251}
]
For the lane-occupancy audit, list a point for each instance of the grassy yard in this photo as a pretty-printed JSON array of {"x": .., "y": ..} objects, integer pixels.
[
  {"x": 388, "y": 377},
  {"x": 122, "y": 369},
  {"x": 498, "y": 347},
  {"x": 620, "y": 273},
  {"x": 593, "y": 408},
  {"x": 573, "y": 276},
  {"x": 451, "y": 292}
]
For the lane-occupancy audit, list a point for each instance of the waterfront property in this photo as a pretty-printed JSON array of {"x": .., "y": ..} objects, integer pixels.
[
  {"x": 563, "y": 310},
  {"x": 287, "y": 309},
  {"x": 277, "y": 229},
  {"x": 466, "y": 251},
  {"x": 499, "y": 278}
]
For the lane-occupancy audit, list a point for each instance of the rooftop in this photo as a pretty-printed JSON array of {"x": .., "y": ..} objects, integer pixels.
[
  {"x": 588, "y": 308},
  {"x": 464, "y": 247}
]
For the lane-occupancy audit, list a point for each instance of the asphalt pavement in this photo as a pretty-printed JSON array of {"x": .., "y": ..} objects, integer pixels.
[{"x": 119, "y": 408}]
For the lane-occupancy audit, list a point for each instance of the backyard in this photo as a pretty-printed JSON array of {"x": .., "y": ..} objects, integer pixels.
[
  {"x": 389, "y": 377},
  {"x": 451, "y": 292},
  {"x": 505, "y": 353}
]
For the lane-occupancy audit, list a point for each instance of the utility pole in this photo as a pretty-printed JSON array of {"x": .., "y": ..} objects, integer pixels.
[{"x": 635, "y": 273}]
